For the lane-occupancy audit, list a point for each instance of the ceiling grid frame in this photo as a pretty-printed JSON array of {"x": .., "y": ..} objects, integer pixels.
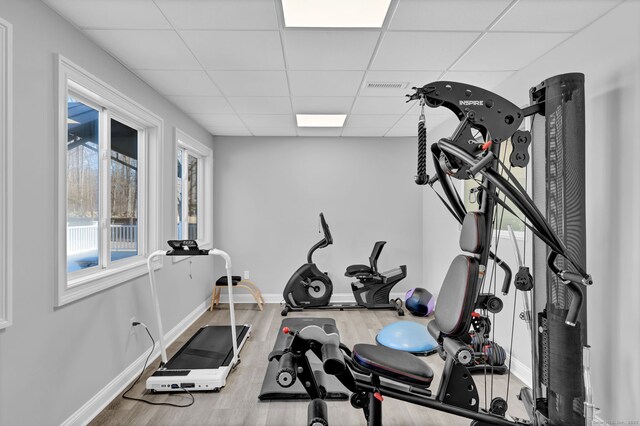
[{"x": 221, "y": 91}]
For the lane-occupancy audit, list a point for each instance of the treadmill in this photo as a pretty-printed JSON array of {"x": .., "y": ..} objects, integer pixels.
[{"x": 205, "y": 361}]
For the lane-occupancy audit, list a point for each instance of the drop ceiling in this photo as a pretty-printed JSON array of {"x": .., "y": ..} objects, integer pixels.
[{"x": 236, "y": 69}]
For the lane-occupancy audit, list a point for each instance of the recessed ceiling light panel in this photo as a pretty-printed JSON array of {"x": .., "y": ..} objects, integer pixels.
[
  {"x": 335, "y": 13},
  {"x": 320, "y": 120}
]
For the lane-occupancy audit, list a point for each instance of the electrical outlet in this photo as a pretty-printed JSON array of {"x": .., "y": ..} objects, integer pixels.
[
  {"x": 132, "y": 328},
  {"x": 246, "y": 275}
]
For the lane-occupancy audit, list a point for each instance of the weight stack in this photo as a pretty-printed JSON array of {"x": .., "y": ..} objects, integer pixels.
[{"x": 559, "y": 192}]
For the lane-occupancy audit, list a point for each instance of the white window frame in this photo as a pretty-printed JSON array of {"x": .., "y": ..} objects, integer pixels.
[
  {"x": 205, "y": 186},
  {"x": 6, "y": 151},
  {"x": 75, "y": 80}
]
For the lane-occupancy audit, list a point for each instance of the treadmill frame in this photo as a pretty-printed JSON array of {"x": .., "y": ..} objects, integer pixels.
[{"x": 192, "y": 379}]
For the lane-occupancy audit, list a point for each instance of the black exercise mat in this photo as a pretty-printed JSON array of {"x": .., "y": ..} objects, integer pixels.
[{"x": 271, "y": 390}]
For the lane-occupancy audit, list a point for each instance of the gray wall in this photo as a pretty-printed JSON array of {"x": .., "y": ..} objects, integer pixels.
[
  {"x": 608, "y": 54},
  {"x": 269, "y": 192},
  {"x": 53, "y": 360}
]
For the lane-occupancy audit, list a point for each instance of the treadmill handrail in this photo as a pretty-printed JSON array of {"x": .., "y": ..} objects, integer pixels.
[{"x": 156, "y": 303}]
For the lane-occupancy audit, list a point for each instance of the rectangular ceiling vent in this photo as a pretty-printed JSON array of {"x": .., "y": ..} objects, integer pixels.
[{"x": 386, "y": 85}]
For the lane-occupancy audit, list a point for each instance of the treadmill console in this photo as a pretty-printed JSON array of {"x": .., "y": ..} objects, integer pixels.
[{"x": 185, "y": 248}]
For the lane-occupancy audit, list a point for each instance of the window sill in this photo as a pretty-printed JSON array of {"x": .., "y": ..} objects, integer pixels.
[{"x": 86, "y": 285}]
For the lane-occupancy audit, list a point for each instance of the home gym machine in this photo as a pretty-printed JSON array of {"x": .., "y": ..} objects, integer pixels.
[
  {"x": 205, "y": 361},
  {"x": 311, "y": 288},
  {"x": 561, "y": 392}
]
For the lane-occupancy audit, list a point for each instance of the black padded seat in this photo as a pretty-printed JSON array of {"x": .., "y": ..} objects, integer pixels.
[
  {"x": 457, "y": 296},
  {"x": 354, "y": 270},
  {"x": 472, "y": 232},
  {"x": 393, "y": 364},
  {"x": 222, "y": 281}
]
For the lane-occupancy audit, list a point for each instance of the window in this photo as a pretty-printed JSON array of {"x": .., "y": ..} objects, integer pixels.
[
  {"x": 108, "y": 172},
  {"x": 194, "y": 165},
  {"x": 5, "y": 174},
  {"x": 504, "y": 217}
]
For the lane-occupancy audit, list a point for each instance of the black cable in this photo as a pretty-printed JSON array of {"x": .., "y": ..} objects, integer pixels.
[
  {"x": 169, "y": 404},
  {"x": 494, "y": 273}
]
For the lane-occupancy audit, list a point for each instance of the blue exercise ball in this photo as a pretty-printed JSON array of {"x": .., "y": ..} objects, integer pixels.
[
  {"x": 420, "y": 302},
  {"x": 407, "y": 336}
]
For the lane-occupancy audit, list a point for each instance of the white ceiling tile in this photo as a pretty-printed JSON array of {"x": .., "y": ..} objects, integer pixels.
[
  {"x": 236, "y": 50},
  {"x": 489, "y": 53},
  {"x": 436, "y": 120},
  {"x": 261, "y": 105},
  {"x": 381, "y": 105},
  {"x": 180, "y": 83},
  {"x": 421, "y": 51},
  {"x": 152, "y": 49},
  {"x": 364, "y": 131},
  {"x": 322, "y": 105},
  {"x": 433, "y": 117},
  {"x": 273, "y": 131},
  {"x": 485, "y": 79},
  {"x": 251, "y": 83},
  {"x": 553, "y": 15},
  {"x": 329, "y": 50},
  {"x": 410, "y": 78},
  {"x": 325, "y": 83},
  {"x": 218, "y": 120},
  {"x": 268, "y": 120},
  {"x": 228, "y": 131},
  {"x": 140, "y": 14},
  {"x": 451, "y": 15},
  {"x": 401, "y": 132},
  {"x": 315, "y": 131},
  {"x": 385, "y": 121},
  {"x": 220, "y": 14},
  {"x": 408, "y": 125},
  {"x": 202, "y": 104}
]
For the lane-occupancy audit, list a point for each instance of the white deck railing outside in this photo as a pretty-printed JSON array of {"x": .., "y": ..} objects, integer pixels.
[{"x": 83, "y": 239}]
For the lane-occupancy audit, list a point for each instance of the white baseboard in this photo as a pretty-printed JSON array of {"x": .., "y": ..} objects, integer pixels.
[
  {"x": 242, "y": 296},
  {"x": 99, "y": 401},
  {"x": 520, "y": 370}
]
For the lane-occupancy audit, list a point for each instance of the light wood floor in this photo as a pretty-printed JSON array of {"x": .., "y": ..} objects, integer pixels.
[{"x": 237, "y": 403}]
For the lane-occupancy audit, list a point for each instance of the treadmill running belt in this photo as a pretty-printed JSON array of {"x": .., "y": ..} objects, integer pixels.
[
  {"x": 209, "y": 348},
  {"x": 271, "y": 390}
]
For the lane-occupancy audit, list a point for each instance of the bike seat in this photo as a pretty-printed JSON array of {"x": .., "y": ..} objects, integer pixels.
[
  {"x": 354, "y": 270},
  {"x": 393, "y": 364}
]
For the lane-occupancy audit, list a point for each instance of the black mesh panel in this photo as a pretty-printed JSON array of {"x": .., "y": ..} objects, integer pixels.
[{"x": 564, "y": 202}]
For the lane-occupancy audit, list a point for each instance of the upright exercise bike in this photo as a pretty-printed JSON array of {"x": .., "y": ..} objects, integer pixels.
[{"x": 311, "y": 288}]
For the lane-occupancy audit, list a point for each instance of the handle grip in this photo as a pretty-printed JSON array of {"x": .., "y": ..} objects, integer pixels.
[
  {"x": 506, "y": 284},
  {"x": 332, "y": 359},
  {"x": 575, "y": 278},
  {"x": 576, "y": 304},
  {"x": 286, "y": 375},
  {"x": 317, "y": 413}
]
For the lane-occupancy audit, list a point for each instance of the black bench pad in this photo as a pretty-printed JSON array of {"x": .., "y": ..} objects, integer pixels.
[
  {"x": 393, "y": 364},
  {"x": 354, "y": 270},
  {"x": 222, "y": 281}
]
